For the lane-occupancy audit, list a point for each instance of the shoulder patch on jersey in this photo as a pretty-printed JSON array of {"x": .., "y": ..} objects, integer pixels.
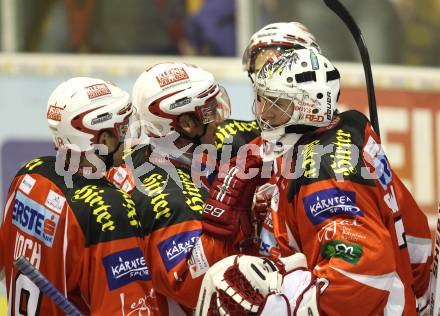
[
  {"x": 27, "y": 184},
  {"x": 44, "y": 166},
  {"x": 55, "y": 202},
  {"x": 124, "y": 267}
]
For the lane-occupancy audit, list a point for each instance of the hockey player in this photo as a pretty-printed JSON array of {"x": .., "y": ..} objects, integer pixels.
[
  {"x": 272, "y": 39},
  {"x": 334, "y": 198},
  {"x": 180, "y": 107},
  {"x": 82, "y": 234}
]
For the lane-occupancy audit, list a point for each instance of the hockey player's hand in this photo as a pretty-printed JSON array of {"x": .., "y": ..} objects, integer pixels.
[
  {"x": 228, "y": 207},
  {"x": 241, "y": 285},
  {"x": 262, "y": 200}
]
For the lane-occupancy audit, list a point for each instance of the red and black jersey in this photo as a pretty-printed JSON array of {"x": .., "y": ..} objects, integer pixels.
[
  {"x": 235, "y": 133},
  {"x": 85, "y": 239},
  {"x": 359, "y": 227},
  {"x": 170, "y": 207}
]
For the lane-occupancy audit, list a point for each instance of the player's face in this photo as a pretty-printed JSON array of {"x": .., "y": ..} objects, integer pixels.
[
  {"x": 112, "y": 142},
  {"x": 274, "y": 111},
  {"x": 192, "y": 127}
]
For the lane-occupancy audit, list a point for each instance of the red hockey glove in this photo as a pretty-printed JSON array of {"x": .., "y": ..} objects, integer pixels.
[
  {"x": 121, "y": 177},
  {"x": 262, "y": 200},
  {"x": 228, "y": 207}
]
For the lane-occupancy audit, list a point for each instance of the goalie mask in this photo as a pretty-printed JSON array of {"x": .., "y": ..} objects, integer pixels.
[
  {"x": 278, "y": 37},
  {"x": 165, "y": 91},
  {"x": 296, "y": 92}
]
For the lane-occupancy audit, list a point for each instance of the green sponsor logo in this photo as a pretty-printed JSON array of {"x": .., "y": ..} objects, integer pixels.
[{"x": 342, "y": 250}]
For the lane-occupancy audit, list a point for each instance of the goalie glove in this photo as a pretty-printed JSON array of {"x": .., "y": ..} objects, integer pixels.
[
  {"x": 228, "y": 207},
  {"x": 245, "y": 285}
]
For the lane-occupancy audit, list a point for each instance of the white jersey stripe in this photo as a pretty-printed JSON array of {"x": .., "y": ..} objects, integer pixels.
[
  {"x": 387, "y": 282},
  {"x": 419, "y": 249}
]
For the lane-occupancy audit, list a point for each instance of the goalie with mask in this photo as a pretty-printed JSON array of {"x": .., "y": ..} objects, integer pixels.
[{"x": 333, "y": 199}]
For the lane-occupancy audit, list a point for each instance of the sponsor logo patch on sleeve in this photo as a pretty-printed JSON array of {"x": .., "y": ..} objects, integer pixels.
[
  {"x": 175, "y": 249},
  {"x": 324, "y": 204},
  {"x": 27, "y": 184},
  {"x": 124, "y": 267},
  {"x": 55, "y": 202}
]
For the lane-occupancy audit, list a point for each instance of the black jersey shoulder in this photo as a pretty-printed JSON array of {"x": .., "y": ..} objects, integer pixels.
[
  {"x": 332, "y": 153},
  {"x": 46, "y": 167},
  {"x": 235, "y": 133},
  {"x": 104, "y": 212},
  {"x": 166, "y": 196}
]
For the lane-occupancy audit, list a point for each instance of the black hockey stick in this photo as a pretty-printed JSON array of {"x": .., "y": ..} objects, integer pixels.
[
  {"x": 46, "y": 286},
  {"x": 337, "y": 7}
]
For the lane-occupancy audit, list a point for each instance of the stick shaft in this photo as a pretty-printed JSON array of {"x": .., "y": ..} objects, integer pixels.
[
  {"x": 337, "y": 7},
  {"x": 46, "y": 286}
]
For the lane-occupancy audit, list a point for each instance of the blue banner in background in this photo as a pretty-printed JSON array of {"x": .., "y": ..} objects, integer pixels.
[{"x": 15, "y": 153}]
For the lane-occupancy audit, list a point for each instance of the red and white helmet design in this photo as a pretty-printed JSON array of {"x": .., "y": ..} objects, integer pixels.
[
  {"x": 281, "y": 36},
  {"x": 307, "y": 80},
  {"x": 165, "y": 91},
  {"x": 80, "y": 108}
]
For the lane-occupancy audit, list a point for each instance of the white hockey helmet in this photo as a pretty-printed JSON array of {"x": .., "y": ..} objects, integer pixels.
[
  {"x": 302, "y": 85},
  {"x": 167, "y": 90},
  {"x": 279, "y": 36},
  {"x": 80, "y": 108}
]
